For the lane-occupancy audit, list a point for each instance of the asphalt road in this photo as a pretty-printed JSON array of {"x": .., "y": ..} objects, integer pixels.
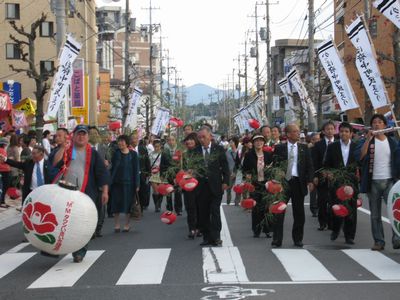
[{"x": 156, "y": 261}]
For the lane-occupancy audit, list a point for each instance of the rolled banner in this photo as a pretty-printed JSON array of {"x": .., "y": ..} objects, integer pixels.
[{"x": 393, "y": 207}]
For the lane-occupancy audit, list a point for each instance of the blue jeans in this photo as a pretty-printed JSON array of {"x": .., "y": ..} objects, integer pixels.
[{"x": 379, "y": 189}]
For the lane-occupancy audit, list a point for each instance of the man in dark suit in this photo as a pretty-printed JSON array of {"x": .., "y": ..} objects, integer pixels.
[
  {"x": 299, "y": 174},
  {"x": 340, "y": 155},
  {"x": 37, "y": 170},
  {"x": 212, "y": 184},
  {"x": 318, "y": 155}
]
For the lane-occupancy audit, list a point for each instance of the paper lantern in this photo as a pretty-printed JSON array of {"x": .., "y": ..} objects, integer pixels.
[
  {"x": 340, "y": 210},
  {"x": 254, "y": 123},
  {"x": 176, "y": 122},
  {"x": 273, "y": 187},
  {"x": 249, "y": 187},
  {"x": 165, "y": 189},
  {"x": 168, "y": 217},
  {"x": 393, "y": 207},
  {"x": 13, "y": 193},
  {"x": 238, "y": 188},
  {"x": 345, "y": 192},
  {"x": 58, "y": 220},
  {"x": 359, "y": 202},
  {"x": 278, "y": 207},
  {"x": 114, "y": 125},
  {"x": 268, "y": 149},
  {"x": 188, "y": 184},
  {"x": 248, "y": 203},
  {"x": 180, "y": 175}
]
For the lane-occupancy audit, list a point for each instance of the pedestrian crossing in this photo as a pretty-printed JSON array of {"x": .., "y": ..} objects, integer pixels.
[{"x": 221, "y": 265}]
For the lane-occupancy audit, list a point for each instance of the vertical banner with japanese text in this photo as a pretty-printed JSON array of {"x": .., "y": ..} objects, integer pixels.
[
  {"x": 63, "y": 76},
  {"x": 366, "y": 63},
  {"x": 294, "y": 78},
  {"x": 77, "y": 83},
  {"x": 161, "y": 121},
  {"x": 390, "y": 9},
  {"x": 132, "y": 109},
  {"x": 334, "y": 67}
]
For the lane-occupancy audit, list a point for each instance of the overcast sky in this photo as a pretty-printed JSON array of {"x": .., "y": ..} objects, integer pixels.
[{"x": 204, "y": 37}]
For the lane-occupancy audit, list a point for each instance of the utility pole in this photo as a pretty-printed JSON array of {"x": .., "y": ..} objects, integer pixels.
[
  {"x": 126, "y": 62},
  {"x": 246, "y": 91},
  {"x": 257, "y": 56},
  {"x": 268, "y": 105},
  {"x": 151, "y": 90},
  {"x": 239, "y": 89},
  {"x": 311, "y": 62},
  {"x": 161, "y": 70},
  {"x": 60, "y": 23}
]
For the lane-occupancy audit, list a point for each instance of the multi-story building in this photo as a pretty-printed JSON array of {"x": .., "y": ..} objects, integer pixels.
[
  {"x": 111, "y": 54},
  {"x": 80, "y": 23},
  {"x": 381, "y": 31}
]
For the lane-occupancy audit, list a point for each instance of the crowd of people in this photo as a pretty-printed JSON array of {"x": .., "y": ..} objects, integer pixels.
[{"x": 121, "y": 173}]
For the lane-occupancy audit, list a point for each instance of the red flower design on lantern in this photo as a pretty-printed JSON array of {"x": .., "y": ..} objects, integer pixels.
[
  {"x": 345, "y": 192},
  {"x": 238, "y": 188},
  {"x": 39, "y": 218},
  {"x": 396, "y": 210},
  {"x": 340, "y": 210}
]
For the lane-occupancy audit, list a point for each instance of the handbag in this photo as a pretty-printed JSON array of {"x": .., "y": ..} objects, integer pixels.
[{"x": 136, "y": 211}]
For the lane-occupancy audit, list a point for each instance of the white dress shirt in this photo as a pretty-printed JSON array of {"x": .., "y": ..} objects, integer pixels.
[
  {"x": 345, "y": 151},
  {"x": 295, "y": 172},
  {"x": 208, "y": 149},
  {"x": 34, "y": 178},
  {"x": 329, "y": 141}
]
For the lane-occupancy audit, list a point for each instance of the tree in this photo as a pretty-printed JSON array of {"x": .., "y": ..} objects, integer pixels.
[{"x": 28, "y": 55}]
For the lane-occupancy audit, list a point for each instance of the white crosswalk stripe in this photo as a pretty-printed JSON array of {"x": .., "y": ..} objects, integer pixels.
[
  {"x": 147, "y": 266},
  {"x": 65, "y": 273},
  {"x": 222, "y": 265},
  {"x": 10, "y": 261},
  {"x": 301, "y": 265},
  {"x": 375, "y": 262}
]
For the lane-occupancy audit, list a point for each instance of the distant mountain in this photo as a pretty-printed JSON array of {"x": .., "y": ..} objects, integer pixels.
[{"x": 199, "y": 92}]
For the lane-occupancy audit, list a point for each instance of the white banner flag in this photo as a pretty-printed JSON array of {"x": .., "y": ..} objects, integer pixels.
[
  {"x": 276, "y": 105},
  {"x": 239, "y": 123},
  {"x": 390, "y": 9},
  {"x": 161, "y": 121},
  {"x": 63, "y": 77},
  {"x": 287, "y": 92},
  {"x": 366, "y": 64},
  {"x": 63, "y": 113},
  {"x": 244, "y": 117},
  {"x": 294, "y": 78},
  {"x": 132, "y": 110},
  {"x": 333, "y": 65}
]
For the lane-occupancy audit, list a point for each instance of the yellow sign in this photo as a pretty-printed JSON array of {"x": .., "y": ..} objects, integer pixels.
[
  {"x": 27, "y": 105},
  {"x": 79, "y": 112}
]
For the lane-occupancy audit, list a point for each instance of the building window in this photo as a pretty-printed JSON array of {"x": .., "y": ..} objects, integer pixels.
[
  {"x": 46, "y": 66},
  {"x": 46, "y": 29},
  {"x": 12, "y": 11},
  {"x": 12, "y": 51}
]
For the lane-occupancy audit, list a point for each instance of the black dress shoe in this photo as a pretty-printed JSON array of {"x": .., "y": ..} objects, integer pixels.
[
  {"x": 276, "y": 244},
  {"x": 198, "y": 234},
  {"x": 268, "y": 235},
  {"x": 298, "y": 244},
  {"x": 218, "y": 242},
  {"x": 334, "y": 235},
  {"x": 349, "y": 241},
  {"x": 256, "y": 235},
  {"x": 99, "y": 234},
  {"x": 205, "y": 243},
  {"x": 322, "y": 227},
  {"x": 191, "y": 235}
]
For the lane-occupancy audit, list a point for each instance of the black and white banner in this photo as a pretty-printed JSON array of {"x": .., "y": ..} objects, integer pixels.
[
  {"x": 333, "y": 65},
  {"x": 132, "y": 110},
  {"x": 64, "y": 74},
  {"x": 289, "y": 104},
  {"x": 239, "y": 123},
  {"x": 366, "y": 63},
  {"x": 294, "y": 78},
  {"x": 390, "y": 9},
  {"x": 161, "y": 121}
]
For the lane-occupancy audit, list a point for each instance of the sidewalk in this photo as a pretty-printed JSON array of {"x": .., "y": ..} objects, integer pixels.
[{"x": 10, "y": 216}]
